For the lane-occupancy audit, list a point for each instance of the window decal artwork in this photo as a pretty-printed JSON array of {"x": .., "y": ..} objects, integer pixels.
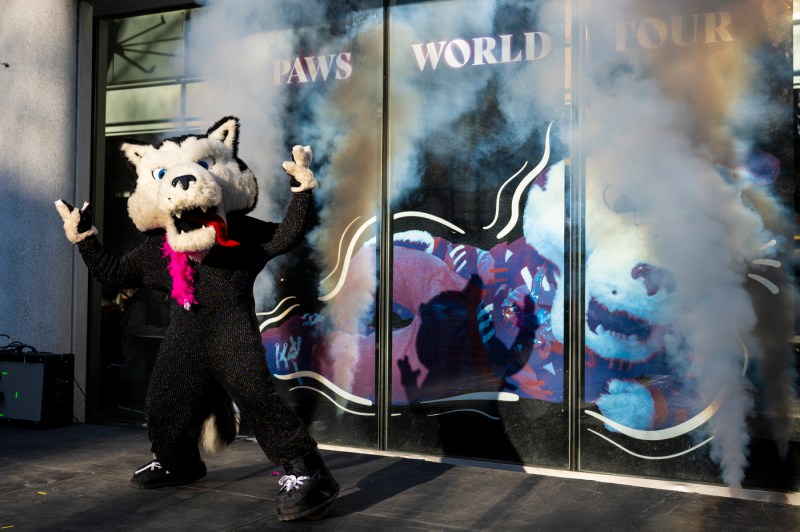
[
  {"x": 688, "y": 312},
  {"x": 426, "y": 270},
  {"x": 662, "y": 129}
]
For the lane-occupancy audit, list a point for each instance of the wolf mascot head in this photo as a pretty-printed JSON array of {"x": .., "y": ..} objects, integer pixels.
[{"x": 188, "y": 185}]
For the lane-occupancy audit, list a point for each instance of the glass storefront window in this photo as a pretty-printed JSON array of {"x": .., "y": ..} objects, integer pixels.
[
  {"x": 555, "y": 233},
  {"x": 689, "y": 173},
  {"x": 478, "y": 124},
  {"x": 314, "y": 317}
]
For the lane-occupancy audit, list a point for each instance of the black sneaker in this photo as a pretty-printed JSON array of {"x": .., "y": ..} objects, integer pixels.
[
  {"x": 307, "y": 489},
  {"x": 153, "y": 475}
]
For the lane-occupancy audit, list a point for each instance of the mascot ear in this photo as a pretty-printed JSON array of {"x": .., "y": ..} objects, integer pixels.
[
  {"x": 227, "y": 132},
  {"x": 134, "y": 151}
]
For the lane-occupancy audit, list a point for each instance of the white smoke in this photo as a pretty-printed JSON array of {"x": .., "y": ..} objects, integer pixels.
[
  {"x": 419, "y": 107},
  {"x": 236, "y": 44},
  {"x": 660, "y": 125},
  {"x": 657, "y": 134},
  {"x": 232, "y": 45},
  {"x": 345, "y": 122}
]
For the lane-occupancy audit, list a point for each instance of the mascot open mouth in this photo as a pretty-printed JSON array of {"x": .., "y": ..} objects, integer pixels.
[
  {"x": 193, "y": 219},
  {"x": 616, "y": 322}
]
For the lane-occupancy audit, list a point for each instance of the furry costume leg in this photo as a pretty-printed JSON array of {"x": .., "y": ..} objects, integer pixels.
[
  {"x": 308, "y": 488},
  {"x": 280, "y": 433},
  {"x": 175, "y": 408}
]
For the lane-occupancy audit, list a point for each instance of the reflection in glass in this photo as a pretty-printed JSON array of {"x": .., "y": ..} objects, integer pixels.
[
  {"x": 678, "y": 121},
  {"x": 688, "y": 173},
  {"x": 476, "y": 129}
]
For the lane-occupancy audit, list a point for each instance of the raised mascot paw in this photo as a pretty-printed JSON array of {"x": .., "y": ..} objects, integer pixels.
[
  {"x": 299, "y": 169},
  {"x": 77, "y": 222}
]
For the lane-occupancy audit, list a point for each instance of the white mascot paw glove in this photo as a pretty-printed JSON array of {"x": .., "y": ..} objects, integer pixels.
[
  {"x": 77, "y": 222},
  {"x": 299, "y": 169}
]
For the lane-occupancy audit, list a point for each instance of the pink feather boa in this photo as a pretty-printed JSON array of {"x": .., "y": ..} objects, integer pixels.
[{"x": 182, "y": 276}]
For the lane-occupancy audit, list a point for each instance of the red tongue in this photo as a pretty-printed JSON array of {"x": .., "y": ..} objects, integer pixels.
[{"x": 220, "y": 228}]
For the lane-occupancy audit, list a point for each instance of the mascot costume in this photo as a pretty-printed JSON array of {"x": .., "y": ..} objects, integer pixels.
[{"x": 190, "y": 200}]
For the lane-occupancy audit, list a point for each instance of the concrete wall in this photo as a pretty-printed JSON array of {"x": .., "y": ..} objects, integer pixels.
[{"x": 42, "y": 114}]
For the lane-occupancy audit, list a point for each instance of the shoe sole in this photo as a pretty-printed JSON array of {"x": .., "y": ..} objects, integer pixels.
[
  {"x": 164, "y": 484},
  {"x": 318, "y": 512}
]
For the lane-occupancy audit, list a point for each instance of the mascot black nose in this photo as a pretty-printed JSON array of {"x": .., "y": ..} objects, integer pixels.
[{"x": 184, "y": 181}]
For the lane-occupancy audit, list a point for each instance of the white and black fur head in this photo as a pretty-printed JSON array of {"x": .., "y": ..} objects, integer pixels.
[{"x": 186, "y": 185}]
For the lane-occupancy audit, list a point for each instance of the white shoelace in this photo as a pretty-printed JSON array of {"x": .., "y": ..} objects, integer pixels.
[
  {"x": 290, "y": 482},
  {"x": 152, "y": 466}
]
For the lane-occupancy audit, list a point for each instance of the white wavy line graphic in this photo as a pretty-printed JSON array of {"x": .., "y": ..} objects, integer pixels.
[
  {"x": 418, "y": 214},
  {"x": 488, "y": 396},
  {"x": 316, "y": 376},
  {"x": 500, "y": 191},
  {"x": 768, "y": 262},
  {"x": 348, "y": 256},
  {"x": 527, "y": 180},
  {"x": 766, "y": 282},
  {"x": 284, "y": 300},
  {"x": 339, "y": 251},
  {"x": 768, "y": 245},
  {"x": 637, "y": 455},
  {"x": 664, "y": 434},
  {"x": 277, "y": 318},
  {"x": 465, "y": 410},
  {"x": 329, "y": 398},
  {"x": 745, "y": 353}
]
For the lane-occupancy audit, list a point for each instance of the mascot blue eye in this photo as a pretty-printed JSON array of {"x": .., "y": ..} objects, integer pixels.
[
  {"x": 159, "y": 173},
  {"x": 206, "y": 162}
]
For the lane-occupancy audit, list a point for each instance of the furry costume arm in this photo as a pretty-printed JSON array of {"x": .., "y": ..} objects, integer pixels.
[
  {"x": 106, "y": 268},
  {"x": 127, "y": 271},
  {"x": 290, "y": 232}
]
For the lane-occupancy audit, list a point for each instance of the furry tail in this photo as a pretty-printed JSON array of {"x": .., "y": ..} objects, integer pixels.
[{"x": 221, "y": 426}]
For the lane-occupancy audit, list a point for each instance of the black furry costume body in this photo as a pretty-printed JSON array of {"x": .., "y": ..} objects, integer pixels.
[
  {"x": 191, "y": 199},
  {"x": 216, "y": 341}
]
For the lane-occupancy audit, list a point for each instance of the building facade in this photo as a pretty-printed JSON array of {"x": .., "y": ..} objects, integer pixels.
[{"x": 550, "y": 234}]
